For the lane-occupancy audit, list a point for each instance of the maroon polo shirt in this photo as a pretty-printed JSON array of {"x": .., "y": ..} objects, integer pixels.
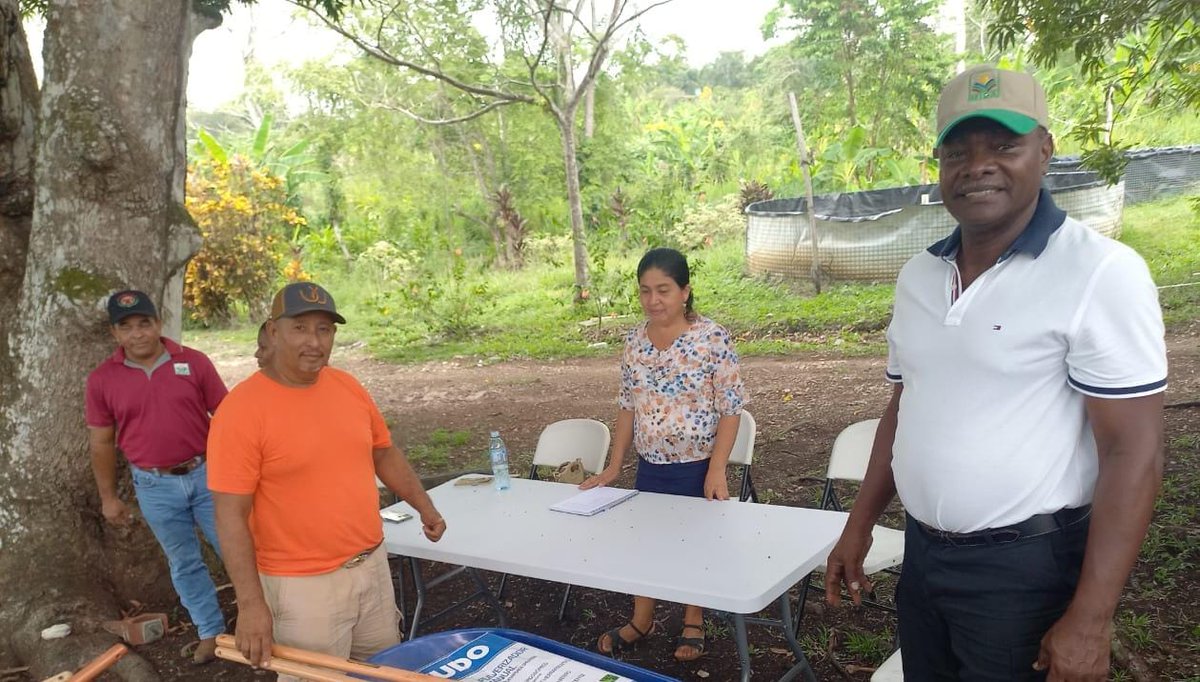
[{"x": 162, "y": 416}]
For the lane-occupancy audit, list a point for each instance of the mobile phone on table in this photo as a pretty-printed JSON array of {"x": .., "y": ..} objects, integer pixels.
[{"x": 394, "y": 516}]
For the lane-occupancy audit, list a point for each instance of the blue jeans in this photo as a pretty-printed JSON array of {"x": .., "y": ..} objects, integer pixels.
[
  {"x": 173, "y": 506},
  {"x": 978, "y": 613}
]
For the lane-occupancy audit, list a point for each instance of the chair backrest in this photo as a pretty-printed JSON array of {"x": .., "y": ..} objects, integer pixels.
[
  {"x": 743, "y": 447},
  {"x": 852, "y": 451},
  {"x": 565, "y": 440}
]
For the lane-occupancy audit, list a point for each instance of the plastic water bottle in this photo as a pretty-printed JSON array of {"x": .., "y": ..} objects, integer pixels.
[{"x": 499, "y": 456}]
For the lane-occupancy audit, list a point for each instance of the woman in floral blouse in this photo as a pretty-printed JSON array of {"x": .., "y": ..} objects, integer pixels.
[{"x": 680, "y": 404}]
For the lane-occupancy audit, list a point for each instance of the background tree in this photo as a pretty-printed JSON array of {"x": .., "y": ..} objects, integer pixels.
[
  {"x": 1129, "y": 51},
  {"x": 877, "y": 63},
  {"x": 544, "y": 35},
  {"x": 102, "y": 209}
]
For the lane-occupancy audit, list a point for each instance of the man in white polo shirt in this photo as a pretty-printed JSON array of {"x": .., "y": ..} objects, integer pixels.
[{"x": 1024, "y": 431}]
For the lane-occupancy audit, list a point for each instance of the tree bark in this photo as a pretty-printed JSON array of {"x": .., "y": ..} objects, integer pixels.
[
  {"x": 589, "y": 111},
  {"x": 566, "y": 128},
  {"x": 108, "y": 213},
  {"x": 18, "y": 121}
]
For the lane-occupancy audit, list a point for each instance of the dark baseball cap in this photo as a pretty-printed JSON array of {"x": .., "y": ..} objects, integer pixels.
[
  {"x": 298, "y": 298},
  {"x": 130, "y": 302}
]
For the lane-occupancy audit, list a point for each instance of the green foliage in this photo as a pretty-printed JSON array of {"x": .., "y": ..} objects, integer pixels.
[
  {"x": 241, "y": 212},
  {"x": 1131, "y": 54},
  {"x": 450, "y": 303},
  {"x": 706, "y": 222},
  {"x": 873, "y": 63}
]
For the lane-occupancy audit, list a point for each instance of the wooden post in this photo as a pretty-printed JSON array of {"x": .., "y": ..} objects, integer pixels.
[{"x": 805, "y": 163}]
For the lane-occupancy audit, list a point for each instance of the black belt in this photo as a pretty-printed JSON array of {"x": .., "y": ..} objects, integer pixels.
[
  {"x": 1029, "y": 528},
  {"x": 180, "y": 469}
]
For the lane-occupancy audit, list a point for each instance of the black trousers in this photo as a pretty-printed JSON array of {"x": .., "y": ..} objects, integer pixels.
[{"x": 979, "y": 612}]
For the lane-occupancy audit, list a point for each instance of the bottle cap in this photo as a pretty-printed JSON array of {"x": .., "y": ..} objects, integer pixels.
[{"x": 495, "y": 434}]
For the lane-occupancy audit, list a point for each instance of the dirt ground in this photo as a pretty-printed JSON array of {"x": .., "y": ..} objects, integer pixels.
[{"x": 800, "y": 404}]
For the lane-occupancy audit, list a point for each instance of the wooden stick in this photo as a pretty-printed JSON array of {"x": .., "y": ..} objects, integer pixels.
[
  {"x": 286, "y": 667},
  {"x": 317, "y": 658},
  {"x": 100, "y": 663},
  {"x": 805, "y": 162}
]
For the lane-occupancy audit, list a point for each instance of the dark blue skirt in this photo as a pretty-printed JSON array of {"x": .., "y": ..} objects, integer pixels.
[{"x": 674, "y": 479}]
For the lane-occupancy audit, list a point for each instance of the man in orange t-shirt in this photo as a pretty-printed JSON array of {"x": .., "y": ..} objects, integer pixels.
[{"x": 293, "y": 454}]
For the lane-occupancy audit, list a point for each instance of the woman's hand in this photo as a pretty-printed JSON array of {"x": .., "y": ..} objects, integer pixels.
[
  {"x": 603, "y": 478},
  {"x": 716, "y": 486}
]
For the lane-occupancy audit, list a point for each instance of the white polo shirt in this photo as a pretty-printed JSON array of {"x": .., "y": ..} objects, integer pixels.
[{"x": 992, "y": 426}]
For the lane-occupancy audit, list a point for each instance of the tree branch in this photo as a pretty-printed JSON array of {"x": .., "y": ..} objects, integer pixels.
[
  {"x": 445, "y": 121},
  {"x": 537, "y": 61},
  {"x": 383, "y": 55}
]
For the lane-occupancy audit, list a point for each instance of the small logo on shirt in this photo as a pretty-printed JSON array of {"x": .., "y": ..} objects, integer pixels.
[
  {"x": 182, "y": 369},
  {"x": 996, "y": 327}
]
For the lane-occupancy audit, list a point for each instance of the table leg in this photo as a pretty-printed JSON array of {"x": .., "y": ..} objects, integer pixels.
[
  {"x": 419, "y": 588},
  {"x": 398, "y": 586},
  {"x": 802, "y": 666},
  {"x": 743, "y": 645},
  {"x": 489, "y": 597}
]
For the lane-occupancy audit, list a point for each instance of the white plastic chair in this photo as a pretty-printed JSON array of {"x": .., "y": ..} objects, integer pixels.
[
  {"x": 562, "y": 442},
  {"x": 892, "y": 670},
  {"x": 742, "y": 455},
  {"x": 848, "y": 462},
  {"x": 565, "y": 440}
]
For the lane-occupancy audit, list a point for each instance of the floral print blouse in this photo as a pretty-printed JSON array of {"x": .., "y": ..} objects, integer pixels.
[{"x": 678, "y": 395}]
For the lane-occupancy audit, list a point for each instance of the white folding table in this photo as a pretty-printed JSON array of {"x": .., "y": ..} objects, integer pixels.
[{"x": 730, "y": 556}]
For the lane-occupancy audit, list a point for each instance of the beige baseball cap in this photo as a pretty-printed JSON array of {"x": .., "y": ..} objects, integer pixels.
[{"x": 1011, "y": 98}]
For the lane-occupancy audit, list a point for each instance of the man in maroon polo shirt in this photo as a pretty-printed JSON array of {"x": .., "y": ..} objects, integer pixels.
[{"x": 154, "y": 398}]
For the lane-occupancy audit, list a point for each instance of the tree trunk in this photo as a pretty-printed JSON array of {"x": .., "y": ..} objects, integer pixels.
[
  {"x": 566, "y": 128},
  {"x": 108, "y": 213},
  {"x": 18, "y": 119},
  {"x": 851, "y": 105},
  {"x": 589, "y": 111}
]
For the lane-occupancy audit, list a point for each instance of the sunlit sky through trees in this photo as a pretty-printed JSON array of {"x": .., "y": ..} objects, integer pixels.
[{"x": 274, "y": 36}]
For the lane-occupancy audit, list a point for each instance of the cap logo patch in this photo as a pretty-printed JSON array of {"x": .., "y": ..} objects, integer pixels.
[
  {"x": 314, "y": 294},
  {"x": 127, "y": 300},
  {"x": 985, "y": 85}
]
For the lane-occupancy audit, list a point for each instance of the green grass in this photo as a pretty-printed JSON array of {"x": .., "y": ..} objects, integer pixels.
[
  {"x": 1167, "y": 234},
  {"x": 872, "y": 647},
  {"x": 435, "y": 451},
  {"x": 531, "y": 314}
]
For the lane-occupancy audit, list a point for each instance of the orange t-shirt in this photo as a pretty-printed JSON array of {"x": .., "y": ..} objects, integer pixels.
[{"x": 306, "y": 454}]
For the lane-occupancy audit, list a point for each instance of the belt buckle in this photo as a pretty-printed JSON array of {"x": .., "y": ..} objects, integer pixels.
[
  {"x": 179, "y": 470},
  {"x": 356, "y": 560}
]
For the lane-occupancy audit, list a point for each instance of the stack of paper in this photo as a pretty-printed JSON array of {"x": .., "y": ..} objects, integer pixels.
[{"x": 593, "y": 501}]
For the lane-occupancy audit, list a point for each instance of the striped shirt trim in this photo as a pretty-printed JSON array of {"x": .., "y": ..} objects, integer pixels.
[{"x": 1144, "y": 389}]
